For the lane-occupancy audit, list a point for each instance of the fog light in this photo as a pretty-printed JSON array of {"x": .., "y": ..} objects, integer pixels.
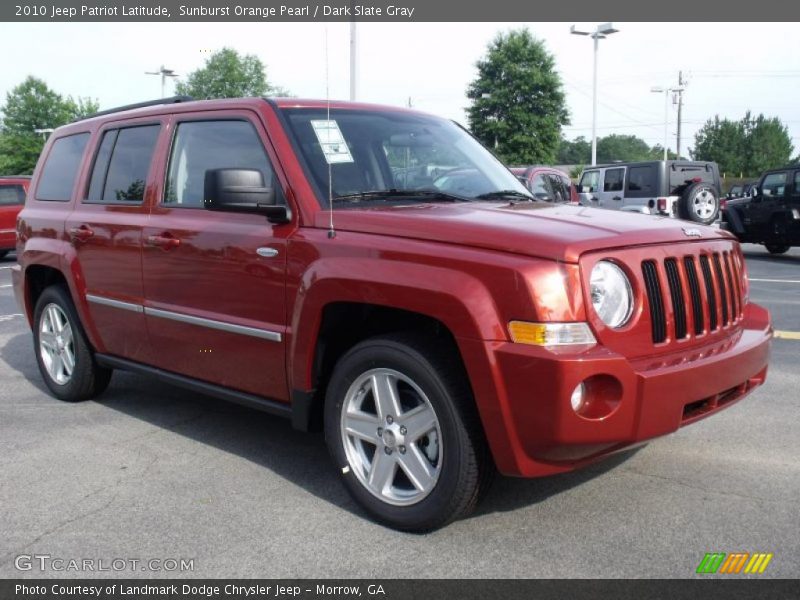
[{"x": 578, "y": 397}]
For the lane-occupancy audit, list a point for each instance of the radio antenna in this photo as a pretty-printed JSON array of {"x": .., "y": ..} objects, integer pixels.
[{"x": 331, "y": 230}]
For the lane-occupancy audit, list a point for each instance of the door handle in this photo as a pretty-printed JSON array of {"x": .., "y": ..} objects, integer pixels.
[
  {"x": 594, "y": 199},
  {"x": 267, "y": 252},
  {"x": 165, "y": 241},
  {"x": 81, "y": 233},
  {"x": 617, "y": 198}
]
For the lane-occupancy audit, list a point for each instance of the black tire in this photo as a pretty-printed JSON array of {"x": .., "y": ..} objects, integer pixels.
[
  {"x": 777, "y": 248},
  {"x": 87, "y": 379},
  {"x": 4, "y": 253},
  {"x": 466, "y": 467},
  {"x": 695, "y": 195}
]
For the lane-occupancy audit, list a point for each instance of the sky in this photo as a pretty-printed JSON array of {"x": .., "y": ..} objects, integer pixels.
[{"x": 730, "y": 67}]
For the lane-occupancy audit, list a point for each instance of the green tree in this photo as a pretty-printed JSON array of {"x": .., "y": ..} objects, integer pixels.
[
  {"x": 748, "y": 146},
  {"x": 724, "y": 142},
  {"x": 518, "y": 106},
  {"x": 657, "y": 153},
  {"x": 30, "y": 106},
  {"x": 622, "y": 147},
  {"x": 768, "y": 143},
  {"x": 227, "y": 74},
  {"x": 575, "y": 152}
]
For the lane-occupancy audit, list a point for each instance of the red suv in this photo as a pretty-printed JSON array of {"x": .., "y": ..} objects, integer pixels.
[
  {"x": 297, "y": 257},
  {"x": 12, "y": 199}
]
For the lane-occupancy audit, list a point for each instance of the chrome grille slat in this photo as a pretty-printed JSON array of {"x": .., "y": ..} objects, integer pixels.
[
  {"x": 711, "y": 295},
  {"x": 655, "y": 300},
  {"x": 694, "y": 294},
  {"x": 676, "y": 295},
  {"x": 723, "y": 293}
]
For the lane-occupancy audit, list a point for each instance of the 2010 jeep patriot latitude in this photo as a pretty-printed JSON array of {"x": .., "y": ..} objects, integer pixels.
[{"x": 436, "y": 337}]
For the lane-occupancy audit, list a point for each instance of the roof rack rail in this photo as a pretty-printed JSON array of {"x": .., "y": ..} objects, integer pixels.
[{"x": 160, "y": 101}]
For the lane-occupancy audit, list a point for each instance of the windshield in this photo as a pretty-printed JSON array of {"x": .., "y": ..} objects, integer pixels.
[{"x": 374, "y": 151}]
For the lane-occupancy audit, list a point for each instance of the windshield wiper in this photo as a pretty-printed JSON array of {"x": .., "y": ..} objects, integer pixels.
[
  {"x": 428, "y": 195},
  {"x": 504, "y": 194}
]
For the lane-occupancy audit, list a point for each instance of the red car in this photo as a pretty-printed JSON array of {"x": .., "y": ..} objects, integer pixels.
[
  {"x": 547, "y": 183},
  {"x": 12, "y": 199},
  {"x": 298, "y": 257}
]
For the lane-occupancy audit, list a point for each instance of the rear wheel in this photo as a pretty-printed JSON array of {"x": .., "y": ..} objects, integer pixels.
[
  {"x": 777, "y": 248},
  {"x": 65, "y": 359},
  {"x": 402, "y": 428},
  {"x": 699, "y": 203}
]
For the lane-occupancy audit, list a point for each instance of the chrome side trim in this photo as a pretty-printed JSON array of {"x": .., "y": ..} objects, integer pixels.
[
  {"x": 137, "y": 308},
  {"x": 272, "y": 336}
]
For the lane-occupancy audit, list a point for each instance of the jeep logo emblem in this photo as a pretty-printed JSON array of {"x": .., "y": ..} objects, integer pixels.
[{"x": 692, "y": 232}]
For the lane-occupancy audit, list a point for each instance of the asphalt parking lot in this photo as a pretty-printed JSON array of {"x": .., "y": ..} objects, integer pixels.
[{"x": 151, "y": 471}]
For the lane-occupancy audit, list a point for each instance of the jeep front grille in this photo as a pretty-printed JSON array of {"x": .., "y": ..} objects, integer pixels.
[{"x": 672, "y": 306}]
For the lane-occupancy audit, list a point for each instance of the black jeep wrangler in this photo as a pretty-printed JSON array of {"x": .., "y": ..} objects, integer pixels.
[{"x": 771, "y": 215}]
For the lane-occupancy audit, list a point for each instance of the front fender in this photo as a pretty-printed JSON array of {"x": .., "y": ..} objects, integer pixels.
[{"x": 458, "y": 300}]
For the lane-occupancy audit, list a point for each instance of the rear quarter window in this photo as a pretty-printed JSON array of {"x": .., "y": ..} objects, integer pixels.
[
  {"x": 61, "y": 168},
  {"x": 642, "y": 182},
  {"x": 12, "y": 195}
]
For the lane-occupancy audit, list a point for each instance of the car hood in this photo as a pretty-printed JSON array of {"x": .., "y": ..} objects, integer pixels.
[{"x": 562, "y": 232}]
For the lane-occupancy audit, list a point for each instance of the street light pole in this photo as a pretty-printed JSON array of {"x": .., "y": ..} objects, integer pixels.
[
  {"x": 600, "y": 32},
  {"x": 353, "y": 61},
  {"x": 164, "y": 74}
]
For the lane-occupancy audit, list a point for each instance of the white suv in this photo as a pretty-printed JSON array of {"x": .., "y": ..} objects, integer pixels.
[{"x": 683, "y": 189}]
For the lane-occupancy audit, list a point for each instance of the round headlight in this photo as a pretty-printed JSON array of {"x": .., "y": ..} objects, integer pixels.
[{"x": 612, "y": 297}]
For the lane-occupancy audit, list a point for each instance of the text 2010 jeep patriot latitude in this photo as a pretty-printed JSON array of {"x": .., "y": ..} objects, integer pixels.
[{"x": 435, "y": 335}]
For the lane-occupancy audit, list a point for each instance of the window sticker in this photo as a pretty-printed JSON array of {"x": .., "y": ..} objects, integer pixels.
[{"x": 332, "y": 142}]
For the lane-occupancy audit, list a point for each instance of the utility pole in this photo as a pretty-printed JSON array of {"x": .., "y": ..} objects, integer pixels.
[
  {"x": 353, "y": 61},
  {"x": 679, "y": 91}
]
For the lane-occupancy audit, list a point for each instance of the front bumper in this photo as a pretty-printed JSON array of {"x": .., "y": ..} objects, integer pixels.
[{"x": 534, "y": 431}]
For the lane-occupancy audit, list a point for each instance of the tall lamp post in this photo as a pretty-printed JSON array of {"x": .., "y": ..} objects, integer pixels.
[
  {"x": 164, "y": 72},
  {"x": 666, "y": 91},
  {"x": 600, "y": 32}
]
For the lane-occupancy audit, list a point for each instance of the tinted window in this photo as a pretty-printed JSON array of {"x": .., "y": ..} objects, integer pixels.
[
  {"x": 122, "y": 164},
  {"x": 61, "y": 168},
  {"x": 642, "y": 181},
  {"x": 613, "y": 180},
  {"x": 679, "y": 174},
  {"x": 590, "y": 182},
  {"x": 774, "y": 184},
  {"x": 560, "y": 192},
  {"x": 204, "y": 145},
  {"x": 539, "y": 188},
  {"x": 796, "y": 190},
  {"x": 11, "y": 195}
]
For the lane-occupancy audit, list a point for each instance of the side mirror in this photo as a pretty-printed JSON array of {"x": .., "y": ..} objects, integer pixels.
[{"x": 242, "y": 190}]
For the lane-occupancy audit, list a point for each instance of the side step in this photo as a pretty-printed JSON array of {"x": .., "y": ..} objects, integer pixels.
[{"x": 250, "y": 400}]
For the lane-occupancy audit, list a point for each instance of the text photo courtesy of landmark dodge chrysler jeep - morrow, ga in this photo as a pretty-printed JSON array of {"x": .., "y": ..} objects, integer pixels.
[{"x": 296, "y": 256}]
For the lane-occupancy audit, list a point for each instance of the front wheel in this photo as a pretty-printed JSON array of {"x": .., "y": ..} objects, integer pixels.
[
  {"x": 402, "y": 428},
  {"x": 65, "y": 359},
  {"x": 777, "y": 248}
]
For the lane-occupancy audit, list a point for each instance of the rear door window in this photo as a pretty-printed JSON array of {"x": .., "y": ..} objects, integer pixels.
[
  {"x": 12, "y": 195},
  {"x": 122, "y": 164},
  {"x": 641, "y": 182},
  {"x": 613, "y": 180},
  {"x": 61, "y": 168}
]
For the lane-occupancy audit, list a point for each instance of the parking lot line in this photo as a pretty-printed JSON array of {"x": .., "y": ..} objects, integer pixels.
[
  {"x": 788, "y": 335},
  {"x": 5, "y": 285},
  {"x": 776, "y": 280}
]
